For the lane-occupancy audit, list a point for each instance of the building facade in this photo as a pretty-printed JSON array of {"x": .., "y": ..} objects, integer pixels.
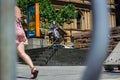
[{"x": 84, "y": 20}]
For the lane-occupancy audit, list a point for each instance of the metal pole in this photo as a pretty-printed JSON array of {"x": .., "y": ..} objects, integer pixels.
[
  {"x": 98, "y": 51},
  {"x": 7, "y": 40}
]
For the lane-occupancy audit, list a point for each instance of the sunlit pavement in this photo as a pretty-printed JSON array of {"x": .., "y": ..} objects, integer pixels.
[{"x": 60, "y": 73}]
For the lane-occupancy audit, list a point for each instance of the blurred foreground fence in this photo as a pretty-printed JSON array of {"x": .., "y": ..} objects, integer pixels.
[
  {"x": 98, "y": 49},
  {"x": 7, "y": 40}
]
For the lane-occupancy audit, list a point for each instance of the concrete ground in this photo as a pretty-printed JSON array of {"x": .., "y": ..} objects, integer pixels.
[{"x": 60, "y": 73}]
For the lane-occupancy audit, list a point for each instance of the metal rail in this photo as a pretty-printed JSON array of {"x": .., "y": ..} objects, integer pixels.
[
  {"x": 97, "y": 53},
  {"x": 98, "y": 50},
  {"x": 7, "y": 40}
]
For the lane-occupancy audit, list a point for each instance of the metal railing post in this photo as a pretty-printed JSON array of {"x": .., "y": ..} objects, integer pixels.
[
  {"x": 98, "y": 50},
  {"x": 7, "y": 40}
]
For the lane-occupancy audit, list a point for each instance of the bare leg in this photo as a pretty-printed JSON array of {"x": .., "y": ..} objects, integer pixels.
[
  {"x": 27, "y": 59},
  {"x": 24, "y": 56}
]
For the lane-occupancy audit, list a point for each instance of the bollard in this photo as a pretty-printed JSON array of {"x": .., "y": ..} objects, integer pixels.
[
  {"x": 98, "y": 50},
  {"x": 7, "y": 40}
]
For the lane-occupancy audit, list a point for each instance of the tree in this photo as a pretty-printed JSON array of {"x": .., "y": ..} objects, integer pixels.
[
  {"x": 48, "y": 13},
  {"x": 66, "y": 14}
]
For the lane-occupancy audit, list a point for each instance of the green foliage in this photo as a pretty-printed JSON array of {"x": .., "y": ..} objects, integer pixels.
[
  {"x": 48, "y": 13},
  {"x": 24, "y": 3},
  {"x": 66, "y": 14}
]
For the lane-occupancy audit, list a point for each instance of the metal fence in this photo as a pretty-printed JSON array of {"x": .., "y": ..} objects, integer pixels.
[
  {"x": 7, "y": 40},
  {"x": 98, "y": 48}
]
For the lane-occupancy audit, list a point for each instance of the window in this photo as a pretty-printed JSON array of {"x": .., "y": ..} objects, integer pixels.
[{"x": 78, "y": 21}]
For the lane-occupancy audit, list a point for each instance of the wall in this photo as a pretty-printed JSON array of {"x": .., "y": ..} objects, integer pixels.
[
  {"x": 85, "y": 21},
  {"x": 57, "y": 57}
]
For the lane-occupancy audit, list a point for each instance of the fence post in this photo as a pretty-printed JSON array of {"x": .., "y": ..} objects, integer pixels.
[
  {"x": 7, "y": 40},
  {"x": 98, "y": 50}
]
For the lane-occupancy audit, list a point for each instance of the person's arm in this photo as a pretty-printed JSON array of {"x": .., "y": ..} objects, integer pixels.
[
  {"x": 26, "y": 40},
  {"x": 18, "y": 13}
]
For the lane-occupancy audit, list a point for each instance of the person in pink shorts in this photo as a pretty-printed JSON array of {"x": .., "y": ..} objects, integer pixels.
[{"x": 21, "y": 41}]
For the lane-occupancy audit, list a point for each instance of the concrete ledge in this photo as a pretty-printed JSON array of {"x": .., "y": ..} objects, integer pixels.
[{"x": 36, "y": 43}]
